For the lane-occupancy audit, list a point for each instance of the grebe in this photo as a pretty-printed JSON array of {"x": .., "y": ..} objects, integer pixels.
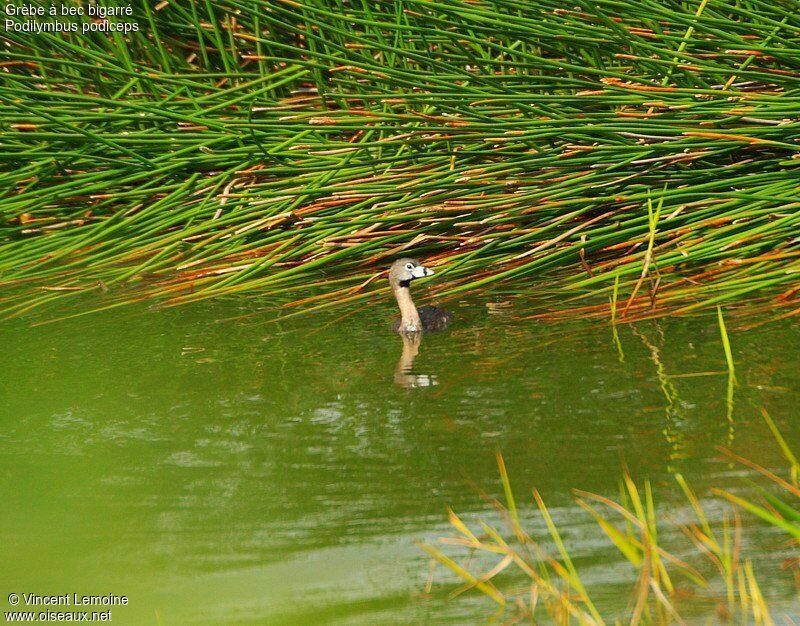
[{"x": 412, "y": 320}]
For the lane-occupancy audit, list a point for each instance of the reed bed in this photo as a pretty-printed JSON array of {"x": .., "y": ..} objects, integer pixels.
[{"x": 648, "y": 150}]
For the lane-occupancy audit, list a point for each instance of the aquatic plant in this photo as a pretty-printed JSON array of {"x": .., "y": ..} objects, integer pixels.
[
  {"x": 776, "y": 511},
  {"x": 289, "y": 148},
  {"x": 554, "y": 588}
]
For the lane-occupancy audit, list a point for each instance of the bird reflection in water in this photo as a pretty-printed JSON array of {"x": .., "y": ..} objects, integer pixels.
[{"x": 404, "y": 376}]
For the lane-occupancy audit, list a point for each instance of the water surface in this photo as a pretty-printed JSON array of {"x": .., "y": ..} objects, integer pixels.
[{"x": 216, "y": 467}]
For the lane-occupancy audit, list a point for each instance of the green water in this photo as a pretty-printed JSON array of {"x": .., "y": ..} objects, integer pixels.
[{"x": 220, "y": 469}]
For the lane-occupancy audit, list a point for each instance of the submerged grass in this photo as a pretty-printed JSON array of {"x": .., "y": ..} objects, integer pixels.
[
  {"x": 643, "y": 150},
  {"x": 553, "y": 588}
]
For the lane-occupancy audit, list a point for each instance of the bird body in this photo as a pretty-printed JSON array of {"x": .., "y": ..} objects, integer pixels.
[
  {"x": 412, "y": 320},
  {"x": 432, "y": 318}
]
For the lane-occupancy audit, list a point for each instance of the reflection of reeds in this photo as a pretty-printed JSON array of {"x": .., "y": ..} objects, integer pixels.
[
  {"x": 555, "y": 589},
  {"x": 291, "y": 148},
  {"x": 673, "y": 411}
]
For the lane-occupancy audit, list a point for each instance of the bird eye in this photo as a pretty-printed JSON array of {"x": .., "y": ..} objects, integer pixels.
[{"x": 409, "y": 267}]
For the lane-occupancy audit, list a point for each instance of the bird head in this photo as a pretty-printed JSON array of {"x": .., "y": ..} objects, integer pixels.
[{"x": 403, "y": 271}]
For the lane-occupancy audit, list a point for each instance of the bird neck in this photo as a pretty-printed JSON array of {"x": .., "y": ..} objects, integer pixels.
[{"x": 409, "y": 317}]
